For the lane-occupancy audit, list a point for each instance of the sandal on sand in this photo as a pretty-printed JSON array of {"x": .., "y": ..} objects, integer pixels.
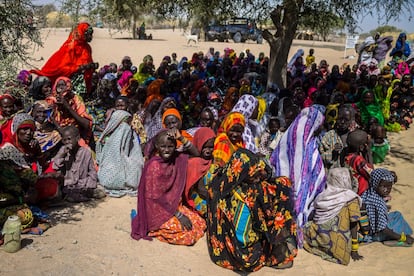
[
  {"x": 283, "y": 265},
  {"x": 396, "y": 244},
  {"x": 41, "y": 227},
  {"x": 116, "y": 193}
]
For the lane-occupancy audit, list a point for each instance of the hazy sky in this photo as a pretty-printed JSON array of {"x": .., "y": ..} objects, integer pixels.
[{"x": 368, "y": 23}]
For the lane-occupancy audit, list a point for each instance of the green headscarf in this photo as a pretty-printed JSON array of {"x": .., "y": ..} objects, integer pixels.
[{"x": 370, "y": 110}]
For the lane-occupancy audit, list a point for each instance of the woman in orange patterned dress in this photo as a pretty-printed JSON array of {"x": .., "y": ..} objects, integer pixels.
[{"x": 161, "y": 213}]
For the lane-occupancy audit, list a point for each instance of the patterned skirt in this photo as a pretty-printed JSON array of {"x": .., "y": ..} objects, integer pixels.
[{"x": 174, "y": 233}]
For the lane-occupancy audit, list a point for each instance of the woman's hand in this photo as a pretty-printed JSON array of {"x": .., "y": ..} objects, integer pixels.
[
  {"x": 33, "y": 144},
  {"x": 65, "y": 103},
  {"x": 174, "y": 133},
  {"x": 185, "y": 223},
  {"x": 355, "y": 256}
]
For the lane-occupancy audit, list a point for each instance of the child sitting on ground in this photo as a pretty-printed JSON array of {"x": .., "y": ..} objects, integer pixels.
[
  {"x": 270, "y": 138},
  {"x": 390, "y": 228},
  {"x": 356, "y": 158},
  {"x": 75, "y": 163},
  {"x": 380, "y": 146}
]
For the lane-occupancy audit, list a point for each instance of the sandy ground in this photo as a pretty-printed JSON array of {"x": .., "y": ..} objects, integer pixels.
[{"x": 93, "y": 238}]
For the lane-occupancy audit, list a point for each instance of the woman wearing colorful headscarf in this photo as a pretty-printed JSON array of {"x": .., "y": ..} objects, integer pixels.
[
  {"x": 75, "y": 55},
  {"x": 153, "y": 121},
  {"x": 195, "y": 192},
  {"x": 248, "y": 105},
  {"x": 7, "y": 110},
  {"x": 229, "y": 138},
  {"x": 402, "y": 47},
  {"x": 250, "y": 217},
  {"x": 297, "y": 157},
  {"x": 172, "y": 121},
  {"x": 369, "y": 107},
  {"x": 46, "y": 133},
  {"x": 25, "y": 153},
  {"x": 291, "y": 64},
  {"x": 69, "y": 108}
]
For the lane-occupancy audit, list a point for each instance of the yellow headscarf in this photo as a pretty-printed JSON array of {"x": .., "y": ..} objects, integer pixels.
[{"x": 262, "y": 108}]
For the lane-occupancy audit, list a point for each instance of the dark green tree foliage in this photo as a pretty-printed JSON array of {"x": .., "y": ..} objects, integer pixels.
[
  {"x": 127, "y": 12},
  {"x": 17, "y": 30},
  {"x": 286, "y": 15},
  {"x": 78, "y": 8},
  {"x": 320, "y": 20},
  {"x": 18, "y": 38}
]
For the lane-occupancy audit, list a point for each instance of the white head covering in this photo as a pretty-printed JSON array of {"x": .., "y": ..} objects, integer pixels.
[{"x": 337, "y": 193}]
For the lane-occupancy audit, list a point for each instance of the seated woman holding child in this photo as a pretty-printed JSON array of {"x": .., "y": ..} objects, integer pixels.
[
  {"x": 69, "y": 108},
  {"x": 46, "y": 133},
  {"x": 20, "y": 185},
  {"x": 250, "y": 217},
  {"x": 161, "y": 213},
  {"x": 195, "y": 189}
]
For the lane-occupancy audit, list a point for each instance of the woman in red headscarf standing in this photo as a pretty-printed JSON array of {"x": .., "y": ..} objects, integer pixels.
[{"x": 74, "y": 56}]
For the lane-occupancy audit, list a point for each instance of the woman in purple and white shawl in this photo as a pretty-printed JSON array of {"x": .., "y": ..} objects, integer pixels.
[{"x": 298, "y": 158}]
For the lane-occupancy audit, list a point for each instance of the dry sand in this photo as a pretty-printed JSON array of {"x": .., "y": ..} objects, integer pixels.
[{"x": 93, "y": 238}]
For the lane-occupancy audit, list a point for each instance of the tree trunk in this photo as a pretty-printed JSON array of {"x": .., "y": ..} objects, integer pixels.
[
  {"x": 134, "y": 25},
  {"x": 285, "y": 19}
]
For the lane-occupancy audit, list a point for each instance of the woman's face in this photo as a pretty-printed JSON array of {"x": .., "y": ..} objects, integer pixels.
[
  {"x": 207, "y": 151},
  {"x": 46, "y": 89},
  {"x": 165, "y": 147},
  {"x": 121, "y": 105},
  {"x": 235, "y": 133},
  {"x": 61, "y": 87},
  {"x": 368, "y": 98},
  {"x": 7, "y": 107},
  {"x": 89, "y": 34},
  {"x": 25, "y": 135},
  {"x": 171, "y": 122},
  {"x": 39, "y": 113},
  {"x": 406, "y": 81},
  {"x": 206, "y": 119}
]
